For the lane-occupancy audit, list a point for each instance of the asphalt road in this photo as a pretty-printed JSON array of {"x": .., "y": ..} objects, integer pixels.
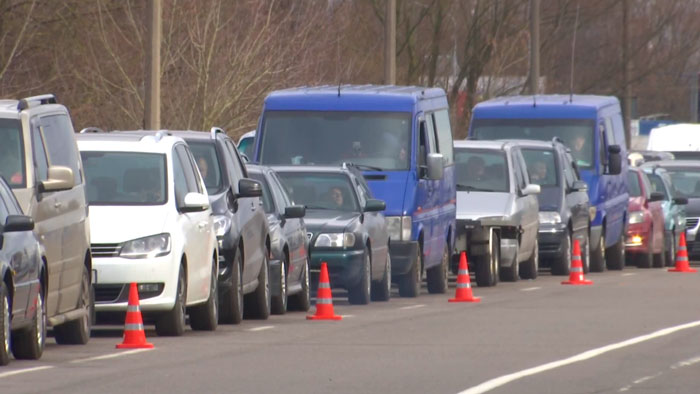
[{"x": 632, "y": 331}]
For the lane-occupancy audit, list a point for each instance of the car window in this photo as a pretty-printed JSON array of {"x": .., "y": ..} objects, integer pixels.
[
  {"x": 190, "y": 177},
  {"x": 444, "y": 134},
  {"x": 633, "y": 186},
  {"x": 481, "y": 170},
  {"x": 60, "y": 142},
  {"x": 518, "y": 169},
  {"x": 430, "y": 127},
  {"x": 208, "y": 163},
  {"x": 280, "y": 191},
  {"x": 267, "y": 197},
  {"x": 11, "y": 204},
  {"x": 199, "y": 182},
  {"x": 657, "y": 185},
  {"x": 12, "y": 167},
  {"x": 3, "y": 212},
  {"x": 685, "y": 181},
  {"x": 541, "y": 166},
  {"x": 610, "y": 133},
  {"x": 179, "y": 179},
  {"x": 41, "y": 162},
  {"x": 237, "y": 165},
  {"x": 361, "y": 194},
  {"x": 321, "y": 190}
]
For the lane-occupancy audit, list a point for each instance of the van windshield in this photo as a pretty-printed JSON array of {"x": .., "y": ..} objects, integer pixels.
[
  {"x": 379, "y": 141},
  {"x": 481, "y": 170},
  {"x": 576, "y": 134},
  {"x": 11, "y": 153}
]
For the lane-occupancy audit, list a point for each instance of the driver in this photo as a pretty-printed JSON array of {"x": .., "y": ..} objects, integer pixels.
[
  {"x": 475, "y": 168},
  {"x": 10, "y": 164}
]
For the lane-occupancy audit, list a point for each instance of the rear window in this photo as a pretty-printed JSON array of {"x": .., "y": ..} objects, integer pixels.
[
  {"x": 633, "y": 185},
  {"x": 12, "y": 167}
]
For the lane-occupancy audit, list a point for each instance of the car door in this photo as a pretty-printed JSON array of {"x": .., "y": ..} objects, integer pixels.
[
  {"x": 427, "y": 189},
  {"x": 528, "y": 207},
  {"x": 376, "y": 225},
  {"x": 294, "y": 229},
  {"x": 576, "y": 200}
]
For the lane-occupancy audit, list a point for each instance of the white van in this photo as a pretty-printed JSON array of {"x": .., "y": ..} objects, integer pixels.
[{"x": 683, "y": 140}]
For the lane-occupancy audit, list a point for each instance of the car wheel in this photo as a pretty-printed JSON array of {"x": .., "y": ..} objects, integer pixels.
[
  {"x": 279, "y": 302},
  {"x": 671, "y": 251},
  {"x": 172, "y": 323},
  {"x": 205, "y": 317},
  {"x": 231, "y": 301},
  {"x": 562, "y": 264},
  {"x": 616, "y": 256},
  {"x": 409, "y": 283},
  {"x": 4, "y": 324},
  {"x": 77, "y": 332},
  {"x": 660, "y": 258},
  {"x": 586, "y": 253},
  {"x": 511, "y": 273},
  {"x": 598, "y": 255},
  {"x": 437, "y": 276},
  {"x": 488, "y": 267},
  {"x": 302, "y": 300},
  {"x": 532, "y": 265},
  {"x": 257, "y": 304},
  {"x": 360, "y": 293},
  {"x": 28, "y": 343},
  {"x": 381, "y": 291}
]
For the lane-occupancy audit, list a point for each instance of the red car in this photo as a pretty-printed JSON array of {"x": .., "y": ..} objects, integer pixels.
[{"x": 645, "y": 226}]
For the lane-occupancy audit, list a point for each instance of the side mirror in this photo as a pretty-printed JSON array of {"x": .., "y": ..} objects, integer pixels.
[
  {"x": 531, "y": 189},
  {"x": 580, "y": 186},
  {"x": 614, "y": 160},
  {"x": 656, "y": 196},
  {"x": 249, "y": 188},
  {"x": 18, "y": 223},
  {"x": 294, "y": 212},
  {"x": 195, "y": 202},
  {"x": 680, "y": 200},
  {"x": 374, "y": 205},
  {"x": 436, "y": 166},
  {"x": 59, "y": 178}
]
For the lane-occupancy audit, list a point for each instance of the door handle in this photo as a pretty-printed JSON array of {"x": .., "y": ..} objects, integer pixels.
[
  {"x": 57, "y": 204},
  {"x": 202, "y": 225}
]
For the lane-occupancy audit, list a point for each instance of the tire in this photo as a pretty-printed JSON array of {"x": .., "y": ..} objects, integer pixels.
[
  {"x": 360, "y": 293},
  {"x": 172, "y": 323},
  {"x": 598, "y": 254},
  {"x": 532, "y": 265},
  {"x": 409, "y": 283},
  {"x": 302, "y": 300},
  {"x": 488, "y": 267},
  {"x": 28, "y": 344},
  {"x": 205, "y": 317},
  {"x": 586, "y": 253},
  {"x": 77, "y": 332},
  {"x": 231, "y": 301},
  {"x": 671, "y": 251},
  {"x": 616, "y": 256},
  {"x": 562, "y": 264},
  {"x": 512, "y": 273},
  {"x": 437, "y": 276},
  {"x": 660, "y": 258},
  {"x": 381, "y": 291},
  {"x": 279, "y": 302},
  {"x": 4, "y": 324},
  {"x": 257, "y": 303}
]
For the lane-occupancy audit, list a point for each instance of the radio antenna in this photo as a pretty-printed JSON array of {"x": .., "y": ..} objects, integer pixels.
[
  {"x": 573, "y": 53},
  {"x": 337, "y": 46}
]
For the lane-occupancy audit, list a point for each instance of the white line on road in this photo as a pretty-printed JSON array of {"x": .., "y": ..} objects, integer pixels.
[
  {"x": 344, "y": 316},
  {"x": 21, "y": 371},
  {"x": 531, "y": 288},
  {"x": 261, "y": 328},
  {"x": 416, "y": 306},
  {"x": 629, "y": 274},
  {"x": 505, "y": 379},
  {"x": 686, "y": 363},
  {"x": 639, "y": 381},
  {"x": 108, "y": 356}
]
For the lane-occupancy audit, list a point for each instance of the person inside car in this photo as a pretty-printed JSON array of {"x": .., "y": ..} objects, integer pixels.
[
  {"x": 337, "y": 197},
  {"x": 539, "y": 172},
  {"x": 10, "y": 165},
  {"x": 475, "y": 168}
]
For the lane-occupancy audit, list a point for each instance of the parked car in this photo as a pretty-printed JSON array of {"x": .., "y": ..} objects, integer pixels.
[
  {"x": 289, "y": 267},
  {"x": 22, "y": 307},
  {"x": 346, "y": 229},
  {"x": 592, "y": 127},
  {"x": 400, "y": 137},
  {"x": 246, "y": 144},
  {"x": 152, "y": 225},
  {"x": 497, "y": 211},
  {"x": 646, "y": 228},
  {"x": 40, "y": 161},
  {"x": 563, "y": 202},
  {"x": 240, "y": 223},
  {"x": 677, "y": 183}
]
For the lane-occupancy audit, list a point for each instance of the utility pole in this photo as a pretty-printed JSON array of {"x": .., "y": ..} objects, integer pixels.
[
  {"x": 534, "y": 46},
  {"x": 390, "y": 43},
  {"x": 627, "y": 96},
  {"x": 694, "y": 82},
  {"x": 154, "y": 29}
]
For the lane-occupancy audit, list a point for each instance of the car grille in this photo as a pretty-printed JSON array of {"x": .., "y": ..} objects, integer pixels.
[
  {"x": 691, "y": 223},
  {"x": 107, "y": 292},
  {"x": 105, "y": 250}
]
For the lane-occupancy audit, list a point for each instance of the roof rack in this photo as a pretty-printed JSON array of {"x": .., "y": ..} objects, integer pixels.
[
  {"x": 36, "y": 100},
  {"x": 160, "y": 134},
  {"x": 214, "y": 130},
  {"x": 557, "y": 139},
  {"x": 91, "y": 130}
]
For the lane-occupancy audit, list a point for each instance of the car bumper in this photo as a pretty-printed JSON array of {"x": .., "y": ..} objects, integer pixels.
[
  {"x": 344, "y": 266},
  {"x": 550, "y": 239},
  {"x": 403, "y": 256},
  {"x": 638, "y": 238}
]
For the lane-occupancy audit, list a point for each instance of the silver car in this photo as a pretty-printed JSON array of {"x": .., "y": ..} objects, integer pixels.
[{"x": 497, "y": 211}]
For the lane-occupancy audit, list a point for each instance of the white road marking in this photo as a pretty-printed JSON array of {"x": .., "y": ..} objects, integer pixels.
[
  {"x": 681, "y": 364},
  {"x": 344, "y": 316},
  {"x": 261, "y": 328},
  {"x": 531, "y": 288},
  {"x": 505, "y": 379},
  {"x": 108, "y": 356},
  {"x": 629, "y": 274},
  {"x": 21, "y": 371},
  {"x": 405, "y": 308},
  {"x": 686, "y": 363},
  {"x": 639, "y": 381}
]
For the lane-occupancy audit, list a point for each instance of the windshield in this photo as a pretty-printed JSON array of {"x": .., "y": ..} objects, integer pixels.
[
  {"x": 320, "y": 190},
  {"x": 208, "y": 162},
  {"x": 481, "y": 170},
  {"x": 245, "y": 147},
  {"x": 577, "y": 134},
  {"x": 125, "y": 178},
  {"x": 268, "y": 206},
  {"x": 633, "y": 186},
  {"x": 11, "y": 157},
  {"x": 541, "y": 166},
  {"x": 381, "y": 140},
  {"x": 685, "y": 181}
]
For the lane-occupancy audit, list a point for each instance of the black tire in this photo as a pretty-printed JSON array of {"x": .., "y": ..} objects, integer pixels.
[
  {"x": 488, "y": 267},
  {"x": 660, "y": 258},
  {"x": 5, "y": 318},
  {"x": 562, "y": 264},
  {"x": 257, "y": 303},
  {"x": 279, "y": 302},
  {"x": 598, "y": 254},
  {"x": 616, "y": 256},
  {"x": 28, "y": 344},
  {"x": 532, "y": 264},
  {"x": 410, "y": 282},
  {"x": 437, "y": 276},
  {"x": 302, "y": 300},
  {"x": 671, "y": 251},
  {"x": 77, "y": 332},
  {"x": 511, "y": 273},
  {"x": 586, "y": 253},
  {"x": 381, "y": 291},
  {"x": 172, "y": 323},
  {"x": 360, "y": 293},
  {"x": 205, "y": 317},
  {"x": 231, "y": 301}
]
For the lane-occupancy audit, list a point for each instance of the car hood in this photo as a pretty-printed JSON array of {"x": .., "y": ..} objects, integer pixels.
[
  {"x": 475, "y": 205},
  {"x": 692, "y": 210},
  {"x": 115, "y": 224},
  {"x": 328, "y": 221}
]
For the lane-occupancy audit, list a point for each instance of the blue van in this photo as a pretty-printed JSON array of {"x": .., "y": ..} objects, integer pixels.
[
  {"x": 592, "y": 128},
  {"x": 400, "y": 138}
]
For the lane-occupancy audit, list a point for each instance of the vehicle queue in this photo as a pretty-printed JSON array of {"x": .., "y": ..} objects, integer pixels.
[{"x": 366, "y": 179}]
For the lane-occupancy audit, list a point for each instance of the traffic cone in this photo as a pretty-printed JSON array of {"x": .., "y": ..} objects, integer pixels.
[
  {"x": 463, "y": 293},
  {"x": 576, "y": 271},
  {"x": 134, "y": 336},
  {"x": 324, "y": 298},
  {"x": 682, "y": 264}
]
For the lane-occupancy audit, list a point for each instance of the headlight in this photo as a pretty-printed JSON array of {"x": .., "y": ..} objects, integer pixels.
[
  {"x": 335, "y": 240},
  {"x": 221, "y": 225},
  {"x": 636, "y": 217},
  {"x": 548, "y": 217},
  {"x": 399, "y": 227},
  {"x": 153, "y": 246}
]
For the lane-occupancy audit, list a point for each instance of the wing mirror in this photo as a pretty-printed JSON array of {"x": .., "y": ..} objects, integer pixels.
[
  {"x": 16, "y": 223},
  {"x": 580, "y": 186},
  {"x": 531, "y": 189},
  {"x": 374, "y": 205},
  {"x": 615, "y": 160},
  {"x": 436, "y": 166},
  {"x": 680, "y": 200},
  {"x": 249, "y": 188},
  {"x": 195, "y": 202},
  {"x": 294, "y": 212},
  {"x": 59, "y": 178},
  {"x": 656, "y": 196}
]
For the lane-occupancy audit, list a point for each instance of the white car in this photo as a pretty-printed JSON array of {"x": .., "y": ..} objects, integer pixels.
[{"x": 151, "y": 223}]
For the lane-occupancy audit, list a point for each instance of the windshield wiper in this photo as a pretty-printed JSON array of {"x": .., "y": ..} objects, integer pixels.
[
  {"x": 470, "y": 188},
  {"x": 364, "y": 166}
]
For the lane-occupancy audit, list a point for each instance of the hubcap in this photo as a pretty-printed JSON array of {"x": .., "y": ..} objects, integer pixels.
[
  {"x": 6, "y": 325},
  {"x": 568, "y": 252},
  {"x": 214, "y": 296},
  {"x": 239, "y": 287},
  {"x": 40, "y": 320},
  {"x": 283, "y": 284},
  {"x": 368, "y": 277}
]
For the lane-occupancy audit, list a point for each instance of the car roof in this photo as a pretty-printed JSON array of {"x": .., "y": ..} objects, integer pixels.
[
  {"x": 9, "y": 109},
  {"x": 151, "y": 142},
  {"x": 672, "y": 163},
  {"x": 483, "y": 144},
  {"x": 543, "y": 106},
  {"x": 249, "y": 134}
]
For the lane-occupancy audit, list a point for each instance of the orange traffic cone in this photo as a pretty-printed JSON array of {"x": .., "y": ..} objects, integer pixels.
[
  {"x": 576, "y": 271},
  {"x": 464, "y": 285},
  {"x": 134, "y": 336},
  {"x": 682, "y": 264},
  {"x": 324, "y": 298}
]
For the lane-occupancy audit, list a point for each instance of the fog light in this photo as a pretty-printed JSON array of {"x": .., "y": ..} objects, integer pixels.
[
  {"x": 635, "y": 240},
  {"x": 148, "y": 287}
]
